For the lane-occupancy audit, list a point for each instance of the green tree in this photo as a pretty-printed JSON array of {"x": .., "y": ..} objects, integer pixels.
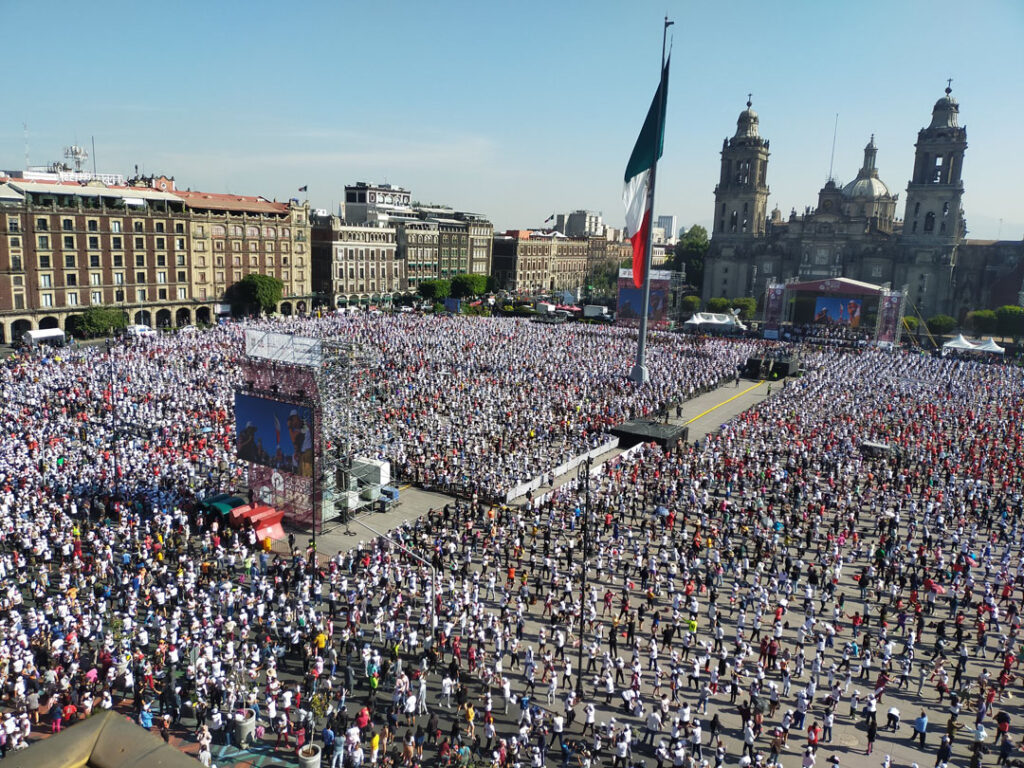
[
  {"x": 465, "y": 286},
  {"x": 746, "y": 305},
  {"x": 258, "y": 293},
  {"x": 691, "y": 304},
  {"x": 941, "y": 324},
  {"x": 97, "y": 321},
  {"x": 1010, "y": 320},
  {"x": 603, "y": 277},
  {"x": 719, "y": 304},
  {"x": 911, "y": 322},
  {"x": 435, "y": 290},
  {"x": 689, "y": 254},
  {"x": 982, "y": 321}
]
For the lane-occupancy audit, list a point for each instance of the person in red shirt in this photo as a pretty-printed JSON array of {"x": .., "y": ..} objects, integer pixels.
[{"x": 813, "y": 735}]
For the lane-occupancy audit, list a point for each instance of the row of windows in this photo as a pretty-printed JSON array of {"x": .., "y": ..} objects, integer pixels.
[
  {"x": 92, "y": 243},
  {"x": 74, "y": 299},
  {"x": 219, "y": 230},
  {"x": 96, "y": 278},
  {"x": 70, "y": 260},
  {"x": 218, "y": 277},
  {"x": 93, "y": 225}
]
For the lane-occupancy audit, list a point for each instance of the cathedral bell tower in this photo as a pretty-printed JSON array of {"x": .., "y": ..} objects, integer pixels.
[
  {"x": 741, "y": 196},
  {"x": 933, "y": 212}
]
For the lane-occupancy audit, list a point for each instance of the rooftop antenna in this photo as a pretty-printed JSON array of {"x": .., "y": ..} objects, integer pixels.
[
  {"x": 78, "y": 155},
  {"x": 832, "y": 159}
]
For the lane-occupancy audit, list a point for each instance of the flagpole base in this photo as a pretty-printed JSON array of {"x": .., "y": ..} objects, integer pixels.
[{"x": 640, "y": 374}]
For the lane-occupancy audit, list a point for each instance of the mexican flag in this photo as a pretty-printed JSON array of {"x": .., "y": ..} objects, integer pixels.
[{"x": 637, "y": 194}]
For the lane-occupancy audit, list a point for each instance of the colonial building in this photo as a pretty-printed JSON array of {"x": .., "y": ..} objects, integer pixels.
[
  {"x": 164, "y": 256},
  {"x": 528, "y": 261},
  {"x": 853, "y": 231},
  {"x": 353, "y": 263}
]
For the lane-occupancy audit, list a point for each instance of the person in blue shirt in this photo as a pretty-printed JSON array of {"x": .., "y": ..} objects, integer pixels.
[{"x": 920, "y": 727}]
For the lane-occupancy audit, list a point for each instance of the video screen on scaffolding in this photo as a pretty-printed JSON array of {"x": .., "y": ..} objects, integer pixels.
[
  {"x": 274, "y": 434},
  {"x": 834, "y": 310}
]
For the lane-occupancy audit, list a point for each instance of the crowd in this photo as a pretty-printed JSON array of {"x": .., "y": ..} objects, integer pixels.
[{"x": 746, "y": 595}]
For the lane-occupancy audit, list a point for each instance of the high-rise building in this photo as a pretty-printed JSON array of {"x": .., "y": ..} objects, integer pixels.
[
  {"x": 670, "y": 226},
  {"x": 580, "y": 223}
]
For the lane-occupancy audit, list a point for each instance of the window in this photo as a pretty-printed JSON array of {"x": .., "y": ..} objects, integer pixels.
[
  {"x": 201, "y": 277},
  {"x": 16, "y": 263},
  {"x": 47, "y": 299},
  {"x": 179, "y": 243},
  {"x": 236, "y": 246},
  {"x": 140, "y": 277},
  {"x": 19, "y": 301},
  {"x": 118, "y": 296},
  {"x": 70, "y": 279},
  {"x": 876, "y": 270},
  {"x": 140, "y": 243},
  {"x": 72, "y": 298},
  {"x": 94, "y": 243},
  {"x": 68, "y": 225},
  {"x": 160, "y": 243},
  {"x": 182, "y": 277},
  {"x": 137, "y": 226},
  {"x": 219, "y": 277},
  {"x": 179, "y": 229},
  {"x": 42, "y": 224},
  {"x": 182, "y": 292},
  {"x": 161, "y": 259},
  {"x": 252, "y": 232},
  {"x": 96, "y": 297},
  {"x": 95, "y": 278},
  {"x": 118, "y": 259},
  {"x": 69, "y": 261},
  {"x": 140, "y": 294},
  {"x": 236, "y": 231},
  {"x": 159, "y": 226},
  {"x": 46, "y": 281},
  {"x": 179, "y": 260},
  {"x": 929, "y": 222},
  {"x": 236, "y": 261},
  {"x": 94, "y": 260},
  {"x": 253, "y": 246},
  {"x": 69, "y": 241},
  {"x": 161, "y": 277},
  {"x": 220, "y": 261},
  {"x": 93, "y": 225},
  {"x": 119, "y": 280},
  {"x": 115, "y": 226},
  {"x": 202, "y": 293},
  {"x": 253, "y": 261},
  {"x": 140, "y": 260},
  {"x": 201, "y": 246},
  {"x": 218, "y": 231},
  {"x": 270, "y": 246},
  {"x": 161, "y": 294},
  {"x": 116, "y": 243},
  {"x": 13, "y": 225},
  {"x": 44, "y": 261}
]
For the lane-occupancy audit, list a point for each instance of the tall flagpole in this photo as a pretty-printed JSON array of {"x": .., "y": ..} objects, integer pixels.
[{"x": 640, "y": 375}]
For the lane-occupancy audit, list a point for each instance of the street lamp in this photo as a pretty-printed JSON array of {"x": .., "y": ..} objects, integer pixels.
[
  {"x": 583, "y": 478},
  {"x": 433, "y": 571}
]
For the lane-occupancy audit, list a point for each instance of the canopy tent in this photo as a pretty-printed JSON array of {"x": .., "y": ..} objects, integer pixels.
[
  {"x": 990, "y": 346},
  {"x": 959, "y": 343},
  {"x": 715, "y": 320}
]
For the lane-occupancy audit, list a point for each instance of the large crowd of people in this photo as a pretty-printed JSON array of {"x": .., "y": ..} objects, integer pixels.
[{"x": 747, "y": 596}]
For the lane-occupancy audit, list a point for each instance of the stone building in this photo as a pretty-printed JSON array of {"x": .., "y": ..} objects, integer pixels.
[
  {"x": 353, "y": 263},
  {"x": 853, "y": 231}
]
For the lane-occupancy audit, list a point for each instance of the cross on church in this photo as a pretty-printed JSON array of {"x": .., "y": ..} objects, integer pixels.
[
  {"x": 748, "y": 98},
  {"x": 949, "y": 85}
]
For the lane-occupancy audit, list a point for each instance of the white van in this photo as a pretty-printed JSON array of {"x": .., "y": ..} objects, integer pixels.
[{"x": 139, "y": 331}]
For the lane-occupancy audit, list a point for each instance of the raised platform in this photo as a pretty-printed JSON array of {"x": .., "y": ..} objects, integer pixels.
[{"x": 643, "y": 431}]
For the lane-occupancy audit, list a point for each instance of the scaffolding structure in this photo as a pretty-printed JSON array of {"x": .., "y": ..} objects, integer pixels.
[{"x": 344, "y": 383}]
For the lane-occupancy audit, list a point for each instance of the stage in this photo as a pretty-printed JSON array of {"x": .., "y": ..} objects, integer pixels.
[{"x": 642, "y": 431}]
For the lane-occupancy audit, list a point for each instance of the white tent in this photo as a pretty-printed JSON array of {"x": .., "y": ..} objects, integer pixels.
[
  {"x": 959, "y": 343},
  {"x": 715, "y": 320},
  {"x": 990, "y": 346}
]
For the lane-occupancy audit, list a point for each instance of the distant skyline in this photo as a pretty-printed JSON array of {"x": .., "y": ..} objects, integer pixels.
[{"x": 515, "y": 110}]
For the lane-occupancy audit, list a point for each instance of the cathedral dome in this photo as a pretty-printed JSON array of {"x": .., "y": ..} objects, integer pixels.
[
  {"x": 867, "y": 185},
  {"x": 746, "y": 125},
  {"x": 945, "y": 111}
]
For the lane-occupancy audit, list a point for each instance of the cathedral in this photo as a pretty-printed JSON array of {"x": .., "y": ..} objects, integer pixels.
[{"x": 853, "y": 231}]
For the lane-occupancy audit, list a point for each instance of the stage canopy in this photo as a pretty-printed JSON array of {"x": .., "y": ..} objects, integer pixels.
[
  {"x": 716, "y": 320},
  {"x": 991, "y": 346},
  {"x": 841, "y": 286}
]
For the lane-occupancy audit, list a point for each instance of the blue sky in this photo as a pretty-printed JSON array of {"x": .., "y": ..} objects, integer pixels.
[{"x": 513, "y": 109}]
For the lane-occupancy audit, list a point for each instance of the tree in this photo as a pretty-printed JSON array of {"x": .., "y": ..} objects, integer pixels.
[
  {"x": 982, "y": 321},
  {"x": 260, "y": 293},
  {"x": 97, "y": 321},
  {"x": 1010, "y": 320},
  {"x": 941, "y": 324},
  {"x": 719, "y": 304},
  {"x": 911, "y": 322},
  {"x": 435, "y": 290},
  {"x": 602, "y": 277},
  {"x": 689, "y": 254},
  {"x": 465, "y": 286},
  {"x": 746, "y": 305},
  {"x": 691, "y": 304}
]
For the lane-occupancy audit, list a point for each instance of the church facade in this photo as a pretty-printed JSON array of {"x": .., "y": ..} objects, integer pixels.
[{"x": 853, "y": 230}]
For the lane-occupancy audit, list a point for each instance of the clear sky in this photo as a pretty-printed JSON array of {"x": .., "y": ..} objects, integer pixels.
[{"x": 516, "y": 109}]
